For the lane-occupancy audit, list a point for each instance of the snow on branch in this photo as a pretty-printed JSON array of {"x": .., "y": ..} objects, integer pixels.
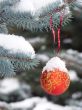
[
  {"x": 16, "y": 44},
  {"x": 16, "y": 54},
  {"x": 32, "y": 5},
  {"x": 34, "y": 14}
]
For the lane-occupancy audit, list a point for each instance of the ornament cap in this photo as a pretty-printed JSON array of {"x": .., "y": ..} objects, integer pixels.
[{"x": 55, "y": 63}]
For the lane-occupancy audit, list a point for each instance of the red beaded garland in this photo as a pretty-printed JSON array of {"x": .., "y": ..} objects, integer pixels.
[{"x": 55, "y": 82}]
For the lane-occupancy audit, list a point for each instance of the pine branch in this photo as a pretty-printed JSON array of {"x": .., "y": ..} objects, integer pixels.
[
  {"x": 13, "y": 58},
  {"x": 6, "y": 68},
  {"x": 3, "y": 28},
  {"x": 56, "y": 12},
  {"x": 38, "y": 21},
  {"x": 59, "y": 9},
  {"x": 29, "y": 63},
  {"x": 8, "y": 3},
  {"x": 69, "y": 1}
]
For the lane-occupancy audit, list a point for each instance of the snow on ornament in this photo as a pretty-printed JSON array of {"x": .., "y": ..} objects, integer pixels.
[{"x": 55, "y": 79}]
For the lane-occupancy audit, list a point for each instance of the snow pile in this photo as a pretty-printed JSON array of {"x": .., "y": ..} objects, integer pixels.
[
  {"x": 32, "y": 5},
  {"x": 42, "y": 57},
  {"x": 79, "y": 2},
  {"x": 4, "y": 106},
  {"x": 37, "y": 40},
  {"x": 75, "y": 103},
  {"x": 71, "y": 52},
  {"x": 73, "y": 75},
  {"x": 46, "y": 105},
  {"x": 79, "y": 55},
  {"x": 32, "y": 103},
  {"x": 74, "y": 54},
  {"x": 9, "y": 85},
  {"x": 26, "y": 104},
  {"x": 77, "y": 95},
  {"x": 55, "y": 63},
  {"x": 16, "y": 44},
  {"x": 37, "y": 103},
  {"x": 67, "y": 41},
  {"x": 73, "y": 60}
]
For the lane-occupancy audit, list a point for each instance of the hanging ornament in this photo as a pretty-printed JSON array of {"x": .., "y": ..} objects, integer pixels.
[{"x": 54, "y": 78}]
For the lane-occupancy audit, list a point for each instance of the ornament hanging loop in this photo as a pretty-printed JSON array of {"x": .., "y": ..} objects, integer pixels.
[
  {"x": 52, "y": 28},
  {"x": 58, "y": 31}
]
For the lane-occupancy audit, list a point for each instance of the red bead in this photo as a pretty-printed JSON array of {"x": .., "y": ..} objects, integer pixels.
[{"x": 55, "y": 82}]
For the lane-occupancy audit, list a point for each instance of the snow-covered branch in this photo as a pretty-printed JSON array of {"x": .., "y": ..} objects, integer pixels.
[
  {"x": 33, "y": 14},
  {"x": 16, "y": 53}
]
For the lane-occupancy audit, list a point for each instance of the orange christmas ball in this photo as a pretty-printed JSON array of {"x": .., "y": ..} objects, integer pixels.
[{"x": 55, "y": 82}]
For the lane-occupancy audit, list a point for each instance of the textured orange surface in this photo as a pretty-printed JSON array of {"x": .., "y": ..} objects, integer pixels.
[{"x": 55, "y": 82}]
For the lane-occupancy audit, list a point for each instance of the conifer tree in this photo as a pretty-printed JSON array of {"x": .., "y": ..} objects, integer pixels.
[{"x": 16, "y": 53}]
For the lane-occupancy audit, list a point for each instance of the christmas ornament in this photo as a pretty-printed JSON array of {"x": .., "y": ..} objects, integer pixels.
[{"x": 54, "y": 78}]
